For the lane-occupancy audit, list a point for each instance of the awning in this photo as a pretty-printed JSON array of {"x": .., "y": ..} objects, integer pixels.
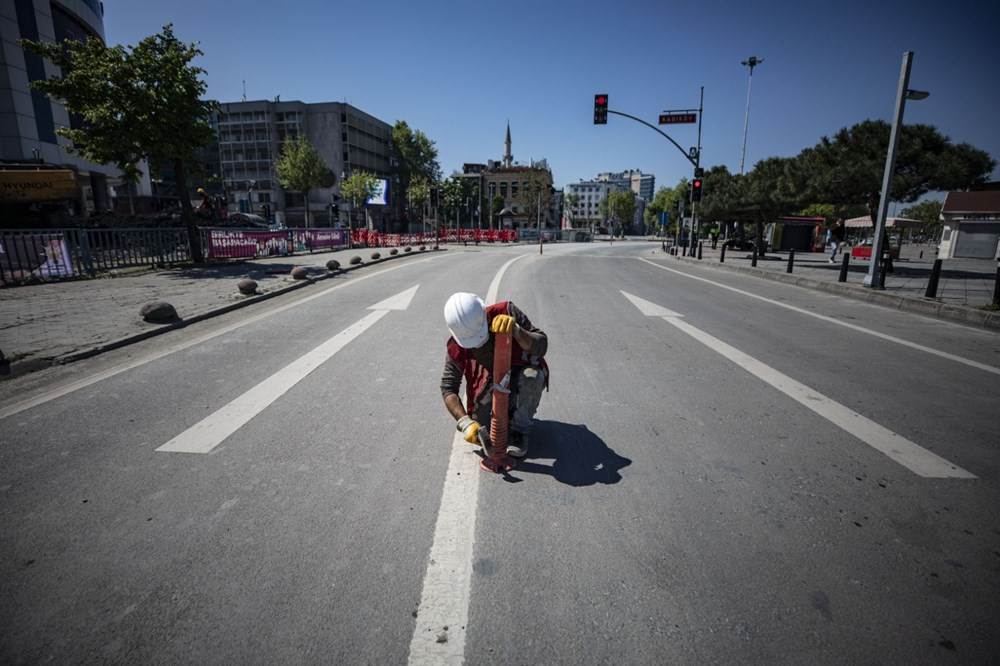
[{"x": 890, "y": 222}]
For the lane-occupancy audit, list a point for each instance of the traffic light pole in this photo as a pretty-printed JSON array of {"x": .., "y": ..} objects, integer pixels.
[{"x": 694, "y": 159}]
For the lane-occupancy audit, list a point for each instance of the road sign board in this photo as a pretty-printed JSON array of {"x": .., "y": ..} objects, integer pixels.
[{"x": 677, "y": 118}]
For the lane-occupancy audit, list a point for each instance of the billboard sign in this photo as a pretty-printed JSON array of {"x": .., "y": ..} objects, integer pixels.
[{"x": 379, "y": 198}]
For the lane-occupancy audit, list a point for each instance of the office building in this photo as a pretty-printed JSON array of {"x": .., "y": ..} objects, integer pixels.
[
  {"x": 30, "y": 149},
  {"x": 252, "y": 134}
]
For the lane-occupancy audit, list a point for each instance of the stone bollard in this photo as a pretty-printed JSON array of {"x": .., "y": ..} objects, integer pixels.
[
  {"x": 158, "y": 312},
  {"x": 247, "y": 287}
]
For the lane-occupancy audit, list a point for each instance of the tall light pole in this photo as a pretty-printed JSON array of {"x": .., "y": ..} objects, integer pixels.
[
  {"x": 751, "y": 62},
  {"x": 902, "y": 94}
]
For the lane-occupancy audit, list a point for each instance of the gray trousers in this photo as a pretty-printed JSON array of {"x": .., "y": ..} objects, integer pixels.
[{"x": 527, "y": 384}]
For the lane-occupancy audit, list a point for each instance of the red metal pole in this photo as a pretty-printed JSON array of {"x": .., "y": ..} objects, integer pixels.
[{"x": 499, "y": 461}]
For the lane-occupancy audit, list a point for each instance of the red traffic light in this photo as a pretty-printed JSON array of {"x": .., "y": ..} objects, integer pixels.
[
  {"x": 600, "y": 109},
  {"x": 696, "y": 189}
]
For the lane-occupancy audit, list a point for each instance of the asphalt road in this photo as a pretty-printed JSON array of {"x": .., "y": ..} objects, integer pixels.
[{"x": 725, "y": 470}]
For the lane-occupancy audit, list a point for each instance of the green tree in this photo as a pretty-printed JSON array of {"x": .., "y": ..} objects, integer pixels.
[
  {"x": 452, "y": 197},
  {"x": 300, "y": 167},
  {"x": 417, "y": 156},
  {"x": 571, "y": 204},
  {"x": 534, "y": 195},
  {"x": 621, "y": 207},
  {"x": 849, "y": 168},
  {"x": 358, "y": 188},
  {"x": 140, "y": 103},
  {"x": 928, "y": 212}
]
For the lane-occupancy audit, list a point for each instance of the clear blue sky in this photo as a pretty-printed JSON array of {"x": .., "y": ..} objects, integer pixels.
[{"x": 458, "y": 71}]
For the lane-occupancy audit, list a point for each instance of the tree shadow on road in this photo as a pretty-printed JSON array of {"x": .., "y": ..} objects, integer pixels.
[{"x": 580, "y": 458}]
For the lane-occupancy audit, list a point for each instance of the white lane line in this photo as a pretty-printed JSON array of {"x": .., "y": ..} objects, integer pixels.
[
  {"x": 171, "y": 347},
  {"x": 439, "y": 634},
  {"x": 211, "y": 431},
  {"x": 853, "y": 327},
  {"x": 908, "y": 454}
]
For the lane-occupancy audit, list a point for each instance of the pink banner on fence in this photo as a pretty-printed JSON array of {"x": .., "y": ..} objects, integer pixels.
[
  {"x": 227, "y": 244},
  {"x": 315, "y": 239}
]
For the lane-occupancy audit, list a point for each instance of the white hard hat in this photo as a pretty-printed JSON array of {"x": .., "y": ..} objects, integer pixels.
[{"x": 465, "y": 315}]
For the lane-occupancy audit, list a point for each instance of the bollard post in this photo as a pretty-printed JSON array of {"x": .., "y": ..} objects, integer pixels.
[
  {"x": 753, "y": 258},
  {"x": 921, "y": 254},
  {"x": 699, "y": 250},
  {"x": 843, "y": 268},
  {"x": 882, "y": 269},
  {"x": 791, "y": 260},
  {"x": 722, "y": 255},
  {"x": 932, "y": 284},
  {"x": 996, "y": 287}
]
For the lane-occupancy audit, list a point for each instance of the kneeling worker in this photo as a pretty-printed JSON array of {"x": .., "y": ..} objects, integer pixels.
[{"x": 473, "y": 327}]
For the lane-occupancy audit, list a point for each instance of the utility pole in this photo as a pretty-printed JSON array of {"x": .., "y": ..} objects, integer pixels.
[{"x": 751, "y": 62}]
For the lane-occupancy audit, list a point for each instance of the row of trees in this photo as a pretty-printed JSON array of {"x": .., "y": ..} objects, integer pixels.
[
  {"x": 144, "y": 104},
  {"x": 841, "y": 176}
]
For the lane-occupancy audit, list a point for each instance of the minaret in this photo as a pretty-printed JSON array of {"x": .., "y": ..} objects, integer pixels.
[{"x": 508, "y": 159}]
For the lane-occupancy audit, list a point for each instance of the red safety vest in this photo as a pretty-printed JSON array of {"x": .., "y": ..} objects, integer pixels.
[{"x": 477, "y": 376}]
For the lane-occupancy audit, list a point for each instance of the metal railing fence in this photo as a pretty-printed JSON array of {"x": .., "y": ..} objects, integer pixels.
[{"x": 29, "y": 255}]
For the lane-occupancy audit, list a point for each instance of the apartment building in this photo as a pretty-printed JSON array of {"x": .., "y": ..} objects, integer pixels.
[
  {"x": 582, "y": 202},
  {"x": 643, "y": 184},
  {"x": 251, "y": 136}
]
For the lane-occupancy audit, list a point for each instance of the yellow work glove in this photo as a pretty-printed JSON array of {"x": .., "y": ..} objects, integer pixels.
[
  {"x": 469, "y": 429},
  {"x": 503, "y": 324}
]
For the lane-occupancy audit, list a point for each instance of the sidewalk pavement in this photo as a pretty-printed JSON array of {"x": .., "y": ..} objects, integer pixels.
[
  {"x": 964, "y": 294},
  {"x": 60, "y": 322}
]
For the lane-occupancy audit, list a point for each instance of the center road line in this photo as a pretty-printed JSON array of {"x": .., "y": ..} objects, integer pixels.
[
  {"x": 211, "y": 431},
  {"x": 853, "y": 327},
  {"x": 439, "y": 634},
  {"x": 908, "y": 454}
]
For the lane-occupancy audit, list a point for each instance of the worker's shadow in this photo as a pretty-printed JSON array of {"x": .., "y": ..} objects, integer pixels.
[{"x": 579, "y": 457}]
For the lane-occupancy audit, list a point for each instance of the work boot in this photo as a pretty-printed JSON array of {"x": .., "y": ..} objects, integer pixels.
[{"x": 517, "y": 444}]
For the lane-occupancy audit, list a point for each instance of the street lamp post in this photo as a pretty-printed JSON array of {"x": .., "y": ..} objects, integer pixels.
[
  {"x": 903, "y": 93},
  {"x": 751, "y": 62}
]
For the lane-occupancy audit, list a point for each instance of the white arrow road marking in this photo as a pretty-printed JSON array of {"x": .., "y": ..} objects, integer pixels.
[
  {"x": 171, "y": 346},
  {"x": 439, "y": 634},
  {"x": 908, "y": 454},
  {"x": 211, "y": 431}
]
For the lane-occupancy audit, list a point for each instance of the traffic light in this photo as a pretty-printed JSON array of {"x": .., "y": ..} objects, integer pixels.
[
  {"x": 696, "y": 189},
  {"x": 600, "y": 109}
]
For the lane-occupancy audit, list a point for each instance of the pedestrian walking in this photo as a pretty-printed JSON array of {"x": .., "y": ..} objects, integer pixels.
[{"x": 837, "y": 235}]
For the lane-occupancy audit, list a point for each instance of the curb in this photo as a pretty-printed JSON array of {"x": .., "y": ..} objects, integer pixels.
[
  {"x": 19, "y": 368},
  {"x": 918, "y": 305}
]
